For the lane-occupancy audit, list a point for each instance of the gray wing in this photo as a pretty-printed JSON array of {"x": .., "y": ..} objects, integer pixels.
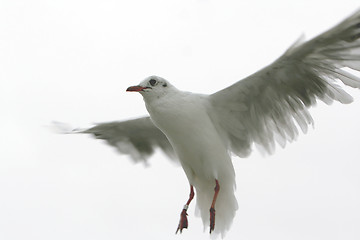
[
  {"x": 138, "y": 138},
  {"x": 270, "y": 105}
]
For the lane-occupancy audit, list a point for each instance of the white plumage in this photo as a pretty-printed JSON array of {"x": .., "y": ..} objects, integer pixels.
[
  {"x": 184, "y": 118},
  {"x": 267, "y": 107}
]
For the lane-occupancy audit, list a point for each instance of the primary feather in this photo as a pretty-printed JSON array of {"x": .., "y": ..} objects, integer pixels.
[{"x": 270, "y": 105}]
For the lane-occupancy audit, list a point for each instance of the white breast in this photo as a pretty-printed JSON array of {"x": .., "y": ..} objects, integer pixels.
[{"x": 184, "y": 120}]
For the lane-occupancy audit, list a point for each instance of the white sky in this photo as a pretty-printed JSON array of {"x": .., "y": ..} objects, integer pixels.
[{"x": 72, "y": 61}]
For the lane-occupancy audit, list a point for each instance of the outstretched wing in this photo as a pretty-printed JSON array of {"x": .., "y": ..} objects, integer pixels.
[
  {"x": 270, "y": 105},
  {"x": 138, "y": 138}
]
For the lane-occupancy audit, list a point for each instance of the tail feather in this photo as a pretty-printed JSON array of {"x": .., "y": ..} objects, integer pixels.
[{"x": 226, "y": 204}]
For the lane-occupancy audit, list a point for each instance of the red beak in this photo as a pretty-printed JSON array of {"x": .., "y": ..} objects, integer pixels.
[{"x": 135, "y": 89}]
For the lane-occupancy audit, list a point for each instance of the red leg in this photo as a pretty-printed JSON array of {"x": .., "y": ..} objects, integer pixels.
[
  {"x": 212, "y": 209},
  {"x": 183, "y": 223}
]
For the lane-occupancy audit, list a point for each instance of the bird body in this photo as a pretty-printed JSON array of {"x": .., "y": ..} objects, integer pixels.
[
  {"x": 183, "y": 117},
  {"x": 264, "y": 109}
]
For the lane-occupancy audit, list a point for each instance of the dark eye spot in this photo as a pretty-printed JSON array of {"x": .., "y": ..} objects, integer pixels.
[
  {"x": 164, "y": 85},
  {"x": 152, "y": 82}
]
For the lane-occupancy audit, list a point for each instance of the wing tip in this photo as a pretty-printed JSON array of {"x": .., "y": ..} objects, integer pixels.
[{"x": 64, "y": 128}]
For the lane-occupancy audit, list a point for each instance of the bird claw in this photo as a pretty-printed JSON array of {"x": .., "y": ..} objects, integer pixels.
[
  {"x": 183, "y": 223},
  {"x": 212, "y": 219}
]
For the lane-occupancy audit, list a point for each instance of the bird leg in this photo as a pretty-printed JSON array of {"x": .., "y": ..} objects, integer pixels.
[
  {"x": 212, "y": 209},
  {"x": 183, "y": 223}
]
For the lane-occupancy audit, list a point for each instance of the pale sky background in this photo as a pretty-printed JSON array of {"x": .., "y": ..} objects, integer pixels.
[{"x": 71, "y": 61}]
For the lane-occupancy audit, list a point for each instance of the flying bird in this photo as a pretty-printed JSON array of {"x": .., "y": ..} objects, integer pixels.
[{"x": 268, "y": 107}]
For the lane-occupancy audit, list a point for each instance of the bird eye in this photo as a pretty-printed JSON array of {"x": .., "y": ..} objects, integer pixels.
[{"x": 152, "y": 82}]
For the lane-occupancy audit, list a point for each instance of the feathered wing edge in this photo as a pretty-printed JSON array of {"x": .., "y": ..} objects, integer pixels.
[
  {"x": 137, "y": 138},
  {"x": 270, "y": 105}
]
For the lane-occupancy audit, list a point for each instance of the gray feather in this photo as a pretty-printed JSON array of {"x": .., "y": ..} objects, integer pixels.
[
  {"x": 270, "y": 105},
  {"x": 138, "y": 138}
]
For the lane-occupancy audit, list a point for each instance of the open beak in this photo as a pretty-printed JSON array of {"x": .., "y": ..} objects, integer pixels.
[{"x": 135, "y": 89}]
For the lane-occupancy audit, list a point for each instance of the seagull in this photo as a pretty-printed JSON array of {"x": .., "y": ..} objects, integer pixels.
[{"x": 267, "y": 108}]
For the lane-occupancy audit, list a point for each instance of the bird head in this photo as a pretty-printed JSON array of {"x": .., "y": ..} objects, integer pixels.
[{"x": 152, "y": 86}]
